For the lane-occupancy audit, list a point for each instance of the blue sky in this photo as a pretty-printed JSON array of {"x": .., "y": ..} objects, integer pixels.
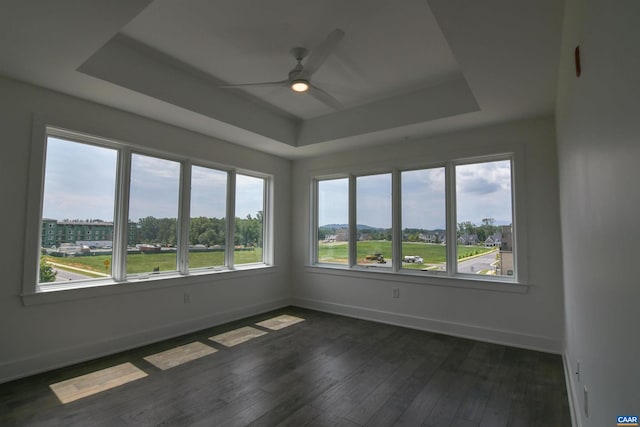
[
  {"x": 483, "y": 191},
  {"x": 80, "y": 184},
  {"x": 373, "y": 200},
  {"x": 423, "y": 199}
]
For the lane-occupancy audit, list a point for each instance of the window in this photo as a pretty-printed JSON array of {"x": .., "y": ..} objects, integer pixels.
[
  {"x": 149, "y": 214},
  {"x": 249, "y": 221},
  {"x": 207, "y": 225},
  {"x": 484, "y": 218},
  {"x": 333, "y": 221},
  {"x": 72, "y": 193},
  {"x": 153, "y": 206},
  {"x": 424, "y": 219},
  {"x": 373, "y": 220},
  {"x": 455, "y": 219}
]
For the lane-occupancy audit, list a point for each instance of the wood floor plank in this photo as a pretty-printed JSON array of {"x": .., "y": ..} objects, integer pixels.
[
  {"x": 327, "y": 370},
  {"x": 361, "y": 413},
  {"x": 301, "y": 417}
]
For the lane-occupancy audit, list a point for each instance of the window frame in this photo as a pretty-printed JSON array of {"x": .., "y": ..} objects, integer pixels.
[
  {"x": 34, "y": 292},
  {"x": 516, "y": 283}
]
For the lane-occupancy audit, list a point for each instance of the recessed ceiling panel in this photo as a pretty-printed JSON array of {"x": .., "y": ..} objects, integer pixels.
[{"x": 389, "y": 48}]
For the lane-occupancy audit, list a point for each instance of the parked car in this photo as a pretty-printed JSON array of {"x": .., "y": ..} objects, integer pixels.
[{"x": 413, "y": 259}]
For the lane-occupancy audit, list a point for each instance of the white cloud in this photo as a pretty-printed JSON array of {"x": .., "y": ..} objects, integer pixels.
[{"x": 484, "y": 191}]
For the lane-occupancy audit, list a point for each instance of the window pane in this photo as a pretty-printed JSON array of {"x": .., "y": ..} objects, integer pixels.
[
  {"x": 153, "y": 208},
  {"x": 249, "y": 228},
  {"x": 373, "y": 220},
  {"x": 77, "y": 211},
  {"x": 484, "y": 217},
  {"x": 424, "y": 220},
  {"x": 333, "y": 221},
  {"x": 207, "y": 226}
]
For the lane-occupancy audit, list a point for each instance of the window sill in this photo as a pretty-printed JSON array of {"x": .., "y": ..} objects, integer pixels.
[
  {"x": 46, "y": 294},
  {"x": 462, "y": 281}
]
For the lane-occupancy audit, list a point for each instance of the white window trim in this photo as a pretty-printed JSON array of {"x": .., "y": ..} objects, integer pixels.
[
  {"x": 517, "y": 283},
  {"x": 120, "y": 282}
]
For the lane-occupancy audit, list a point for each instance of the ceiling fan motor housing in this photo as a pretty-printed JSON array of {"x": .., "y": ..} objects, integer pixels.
[{"x": 299, "y": 53}]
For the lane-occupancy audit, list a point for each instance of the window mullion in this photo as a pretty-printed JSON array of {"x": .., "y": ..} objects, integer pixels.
[
  {"x": 231, "y": 219},
  {"x": 184, "y": 218},
  {"x": 314, "y": 222},
  {"x": 121, "y": 216},
  {"x": 353, "y": 231},
  {"x": 266, "y": 223},
  {"x": 396, "y": 215},
  {"x": 452, "y": 248}
]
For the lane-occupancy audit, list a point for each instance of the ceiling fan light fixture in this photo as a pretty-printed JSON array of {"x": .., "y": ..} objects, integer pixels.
[{"x": 300, "y": 85}]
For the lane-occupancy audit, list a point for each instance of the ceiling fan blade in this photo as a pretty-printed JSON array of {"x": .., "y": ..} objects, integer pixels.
[
  {"x": 262, "y": 84},
  {"x": 325, "y": 98},
  {"x": 322, "y": 52}
]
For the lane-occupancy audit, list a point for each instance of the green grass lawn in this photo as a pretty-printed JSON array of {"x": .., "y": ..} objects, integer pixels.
[
  {"x": 431, "y": 253},
  {"x": 145, "y": 263},
  {"x": 337, "y": 253}
]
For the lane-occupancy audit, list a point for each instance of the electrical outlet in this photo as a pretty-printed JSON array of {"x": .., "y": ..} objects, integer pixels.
[
  {"x": 586, "y": 402},
  {"x": 396, "y": 292},
  {"x": 187, "y": 298}
]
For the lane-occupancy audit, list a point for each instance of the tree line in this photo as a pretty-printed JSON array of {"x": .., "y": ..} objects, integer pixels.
[
  {"x": 482, "y": 231},
  {"x": 486, "y": 229},
  {"x": 202, "y": 230}
]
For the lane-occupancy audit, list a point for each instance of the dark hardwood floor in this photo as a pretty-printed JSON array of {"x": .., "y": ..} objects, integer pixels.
[{"x": 326, "y": 371}]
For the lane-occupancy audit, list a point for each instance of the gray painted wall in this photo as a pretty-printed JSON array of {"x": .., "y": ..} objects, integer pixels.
[
  {"x": 533, "y": 319},
  {"x": 598, "y": 124},
  {"x": 40, "y": 337}
]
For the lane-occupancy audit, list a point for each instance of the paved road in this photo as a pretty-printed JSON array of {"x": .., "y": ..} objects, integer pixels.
[
  {"x": 482, "y": 262},
  {"x": 65, "y": 276}
]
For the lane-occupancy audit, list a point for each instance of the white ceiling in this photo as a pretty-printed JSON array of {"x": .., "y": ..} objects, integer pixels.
[
  {"x": 404, "y": 69},
  {"x": 249, "y": 41}
]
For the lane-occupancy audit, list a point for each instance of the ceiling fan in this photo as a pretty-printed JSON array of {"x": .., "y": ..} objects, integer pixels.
[{"x": 299, "y": 79}]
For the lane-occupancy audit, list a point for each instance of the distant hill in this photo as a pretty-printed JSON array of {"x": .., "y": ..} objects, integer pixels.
[
  {"x": 439, "y": 231},
  {"x": 359, "y": 227}
]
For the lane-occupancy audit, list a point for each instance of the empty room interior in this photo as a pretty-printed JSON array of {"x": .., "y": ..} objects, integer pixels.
[{"x": 363, "y": 212}]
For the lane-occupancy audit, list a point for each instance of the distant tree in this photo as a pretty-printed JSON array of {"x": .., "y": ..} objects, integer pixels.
[
  {"x": 47, "y": 273},
  {"x": 148, "y": 229},
  {"x": 249, "y": 230},
  {"x": 487, "y": 228},
  {"x": 208, "y": 238},
  {"x": 466, "y": 227},
  {"x": 157, "y": 230}
]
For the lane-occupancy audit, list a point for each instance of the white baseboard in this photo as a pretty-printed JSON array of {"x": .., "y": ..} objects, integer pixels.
[
  {"x": 574, "y": 406},
  {"x": 58, "y": 358},
  {"x": 496, "y": 336}
]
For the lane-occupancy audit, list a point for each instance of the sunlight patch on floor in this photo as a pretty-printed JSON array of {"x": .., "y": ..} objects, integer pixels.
[
  {"x": 280, "y": 322},
  {"x": 237, "y": 336},
  {"x": 179, "y": 355},
  {"x": 96, "y": 382}
]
